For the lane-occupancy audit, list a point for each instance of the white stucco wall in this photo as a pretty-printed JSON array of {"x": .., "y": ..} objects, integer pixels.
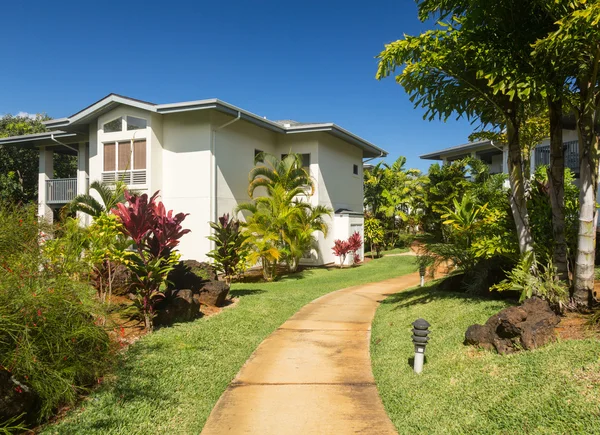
[
  {"x": 234, "y": 153},
  {"x": 179, "y": 164},
  {"x": 186, "y": 177},
  {"x": 338, "y": 187}
]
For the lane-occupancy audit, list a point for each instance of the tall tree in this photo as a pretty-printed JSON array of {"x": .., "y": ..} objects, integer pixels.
[
  {"x": 450, "y": 70},
  {"x": 574, "y": 49}
]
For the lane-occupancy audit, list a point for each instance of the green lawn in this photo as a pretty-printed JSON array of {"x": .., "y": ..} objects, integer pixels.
[
  {"x": 553, "y": 390},
  {"x": 390, "y": 251},
  {"x": 168, "y": 382}
]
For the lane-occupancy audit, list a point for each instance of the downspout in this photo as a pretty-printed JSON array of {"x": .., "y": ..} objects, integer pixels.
[
  {"x": 213, "y": 168},
  {"x": 64, "y": 144},
  {"x": 373, "y": 158}
]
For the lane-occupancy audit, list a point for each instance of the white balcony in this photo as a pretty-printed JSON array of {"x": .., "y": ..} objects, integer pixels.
[{"x": 61, "y": 190}]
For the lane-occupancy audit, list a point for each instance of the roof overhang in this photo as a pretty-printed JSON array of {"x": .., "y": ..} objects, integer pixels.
[
  {"x": 55, "y": 140},
  {"x": 111, "y": 101},
  {"x": 460, "y": 149}
]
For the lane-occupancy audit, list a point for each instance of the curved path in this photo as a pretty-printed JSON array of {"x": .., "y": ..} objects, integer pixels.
[{"x": 313, "y": 374}]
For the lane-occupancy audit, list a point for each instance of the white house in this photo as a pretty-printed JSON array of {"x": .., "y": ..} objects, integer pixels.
[
  {"x": 198, "y": 154},
  {"x": 496, "y": 155}
]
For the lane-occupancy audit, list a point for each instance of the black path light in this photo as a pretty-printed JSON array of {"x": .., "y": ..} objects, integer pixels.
[{"x": 420, "y": 338}]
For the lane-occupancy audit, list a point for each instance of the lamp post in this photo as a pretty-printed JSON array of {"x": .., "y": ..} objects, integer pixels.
[
  {"x": 420, "y": 338},
  {"x": 422, "y": 271}
]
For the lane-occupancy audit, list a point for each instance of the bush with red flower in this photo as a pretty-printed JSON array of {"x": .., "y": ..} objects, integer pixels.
[
  {"x": 155, "y": 233},
  {"x": 343, "y": 248}
]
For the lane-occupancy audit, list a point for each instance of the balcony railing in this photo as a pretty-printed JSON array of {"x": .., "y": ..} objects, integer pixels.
[
  {"x": 61, "y": 191},
  {"x": 542, "y": 155}
]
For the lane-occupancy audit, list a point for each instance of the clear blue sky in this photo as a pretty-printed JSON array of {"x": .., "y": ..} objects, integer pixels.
[{"x": 308, "y": 61}]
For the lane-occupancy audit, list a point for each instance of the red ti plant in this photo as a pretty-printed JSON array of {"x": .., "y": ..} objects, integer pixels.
[
  {"x": 342, "y": 248},
  {"x": 155, "y": 233}
]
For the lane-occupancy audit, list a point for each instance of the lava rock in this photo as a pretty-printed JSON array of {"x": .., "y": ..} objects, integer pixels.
[
  {"x": 177, "y": 306},
  {"x": 527, "y": 326},
  {"x": 214, "y": 293},
  {"x": 204, "y": 270},
  {"x": 183, "y": 277},
  {"x": 17, "y": 398}
]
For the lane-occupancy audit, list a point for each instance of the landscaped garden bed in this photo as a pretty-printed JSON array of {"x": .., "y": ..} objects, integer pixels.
[
  {"x": 169, "y": 381},
  {"x": 553, "y": 389}
]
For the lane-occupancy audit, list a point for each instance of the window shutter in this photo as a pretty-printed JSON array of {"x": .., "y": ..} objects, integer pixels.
[
  {"x": 109, "y": 157},
  {"x": 139, "y": 154},
  {"x": 124, "y": 156}
]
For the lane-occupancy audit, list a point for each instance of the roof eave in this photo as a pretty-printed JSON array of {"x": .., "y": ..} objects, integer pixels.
[{"x": 335, "y": 130}]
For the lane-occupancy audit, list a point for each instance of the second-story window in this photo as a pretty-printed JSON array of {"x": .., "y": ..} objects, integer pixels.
[
  {"x": 124, "y": 123},
  {"x": 126, "y": 161}
]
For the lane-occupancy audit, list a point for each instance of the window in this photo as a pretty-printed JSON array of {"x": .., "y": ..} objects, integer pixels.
[
  {"x": 134, "y": 123},
  {"x": 257, "y": 153},
  {"x": 125, "y": 160},
  {"x": 355, "y": 169},
  {"x": 114, "y": 125},
  {"x": 305, "y": 160}
]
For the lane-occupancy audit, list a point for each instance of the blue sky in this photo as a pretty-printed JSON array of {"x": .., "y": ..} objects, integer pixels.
[{"x": 308, "y": 61}]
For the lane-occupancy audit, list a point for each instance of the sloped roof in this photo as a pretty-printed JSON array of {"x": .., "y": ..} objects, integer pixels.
[{"x": 111, "y": 101}]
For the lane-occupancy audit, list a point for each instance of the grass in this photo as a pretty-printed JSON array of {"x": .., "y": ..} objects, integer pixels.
[
  {"x": 169, "y": 381},
  {"x": 552, "y": 390},
  {"x": 389, "y": 251}
]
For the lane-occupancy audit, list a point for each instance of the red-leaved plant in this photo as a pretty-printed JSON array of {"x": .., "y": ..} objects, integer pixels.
[
  {"x": 155, "y": 233},
  {"x": 341, "y": 248}
]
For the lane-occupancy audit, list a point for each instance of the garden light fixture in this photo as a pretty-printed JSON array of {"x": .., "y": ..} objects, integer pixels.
[
  {"x": 420, "y": 338},
  {"x": 422, "y": 271}
]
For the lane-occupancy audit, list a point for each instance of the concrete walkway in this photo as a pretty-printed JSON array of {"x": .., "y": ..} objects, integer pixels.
[{"x": 313, "y": 374}]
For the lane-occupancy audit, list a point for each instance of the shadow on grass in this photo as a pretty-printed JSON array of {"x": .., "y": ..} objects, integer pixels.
[
  {"x": 425, "y": 295},
  {"x": 245, "y": 292}
]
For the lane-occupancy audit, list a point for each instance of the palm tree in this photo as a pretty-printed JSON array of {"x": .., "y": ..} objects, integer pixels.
[
  {"x": 287, "y": 172},
  {"x": 109, "y": 198},
  {"x": 270, "y": 217},
  {"x": 299, "y": 234}
]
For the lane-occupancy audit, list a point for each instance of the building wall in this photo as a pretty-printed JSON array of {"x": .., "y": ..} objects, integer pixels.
[
  {"x": 180, "y": 165},
  {"x": 186, "y": 177},
  {"x": 338, "y": 187},
  {"x": 234, "y": 152}
]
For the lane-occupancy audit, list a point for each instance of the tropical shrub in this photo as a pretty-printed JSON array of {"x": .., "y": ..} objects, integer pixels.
[
  {"x": 532, "y": 278},
  {"x": 49, "y": 336},
  {"x": 63, "y": 252},
  {"x": 396, "y": 197},
  {"x": 230, "y": 250},
  {"x": 110, "y": 195},
  {"x": 374, "y": 235},
  {"x": 107, "y": 249},
  {"x": 281, "y": 224},
  {"x": 447, "y": 182},
  {"x": 155, "y": 234},
  {"x": 299, "y": 233}
]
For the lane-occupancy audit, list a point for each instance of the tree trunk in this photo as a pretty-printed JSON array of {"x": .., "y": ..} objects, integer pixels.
[
  {"x": 586, "y": 238},
  {"x": 556, "y": 179},
  {"x": 518, "y": 202}
]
